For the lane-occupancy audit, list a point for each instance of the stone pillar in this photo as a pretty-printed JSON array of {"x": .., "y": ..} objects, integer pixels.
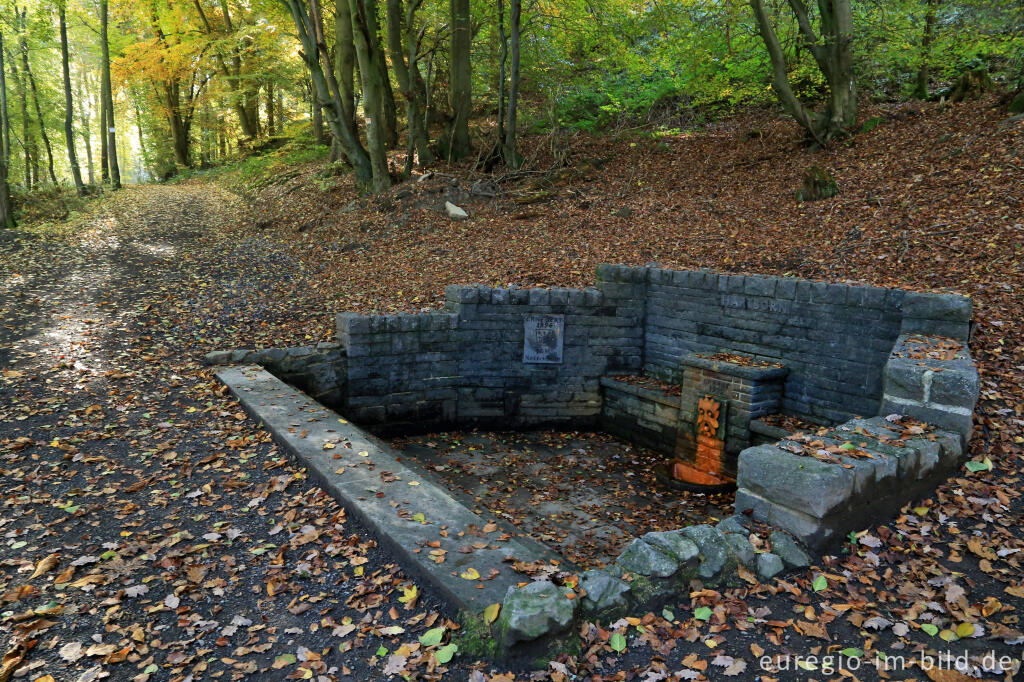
[{"x": 746, "y": 391}]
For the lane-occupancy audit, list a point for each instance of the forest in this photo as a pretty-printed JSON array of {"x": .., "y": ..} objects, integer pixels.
[{"x": 99, "y": 93}]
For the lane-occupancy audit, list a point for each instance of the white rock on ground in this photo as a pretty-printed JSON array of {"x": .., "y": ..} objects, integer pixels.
[{"x": 454, "y": 212}]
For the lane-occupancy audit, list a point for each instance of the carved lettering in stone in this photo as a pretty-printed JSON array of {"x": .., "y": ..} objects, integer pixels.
[{"x": 543, "y": 338}]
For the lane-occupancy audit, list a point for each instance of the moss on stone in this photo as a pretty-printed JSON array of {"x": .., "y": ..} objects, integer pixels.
[{"x": 476, "y": 639}]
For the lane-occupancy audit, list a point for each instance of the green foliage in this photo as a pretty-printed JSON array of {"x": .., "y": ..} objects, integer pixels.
[
  {"x": 253, "y": 171},
  {"x": 617, "y": 62}
]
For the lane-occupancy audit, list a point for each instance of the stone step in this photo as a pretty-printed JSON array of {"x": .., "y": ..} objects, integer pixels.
[
  {"x": 351, "y": 465},
  {"x": 819, "y": 501}
]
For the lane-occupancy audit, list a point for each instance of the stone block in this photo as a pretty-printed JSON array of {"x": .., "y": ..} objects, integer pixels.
[
  {"x": 741, "y": 548},
  {"x": 797, "y": 482},
  {"x": 947, "y": 328},
  {"x": 675, "y": 544},
  {"x": 811, "y": 530},
  {"x": 714, "y": 549},
  {"x": 647, "y": 560},
  {"x": 756, "y": 285},
  {"x": 769, "y": 565},
  {"x": 605, "y": 593},
  {"x": 559, "y": 296},
  {"x": 785, "y": 288},
  {"x": 352, "y": 323},
  {"x": 955, "y": 386},
  {"x": 791, "y": 553},
  {"x": 931, "y": 306},
  {"x": 535, "y": 610}
]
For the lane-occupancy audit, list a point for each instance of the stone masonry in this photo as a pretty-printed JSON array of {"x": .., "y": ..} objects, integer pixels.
[
  {"x": 750, "y": 391},
  {"x": 846, "y": 351}
]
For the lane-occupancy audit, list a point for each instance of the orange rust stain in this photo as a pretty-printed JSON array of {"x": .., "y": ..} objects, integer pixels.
[{"x": 707, "y": 468}]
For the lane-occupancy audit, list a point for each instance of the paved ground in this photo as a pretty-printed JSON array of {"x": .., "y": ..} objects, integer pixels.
[
  {"x": 583, "y": 494},
  {"x": 150, "y": 531}
]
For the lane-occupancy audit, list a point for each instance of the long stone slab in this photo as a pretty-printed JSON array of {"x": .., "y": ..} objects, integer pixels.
[{"x": 367, "y": 477}]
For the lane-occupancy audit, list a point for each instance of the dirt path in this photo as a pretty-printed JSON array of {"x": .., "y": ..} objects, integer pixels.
[{"x": 184, "y": 542}]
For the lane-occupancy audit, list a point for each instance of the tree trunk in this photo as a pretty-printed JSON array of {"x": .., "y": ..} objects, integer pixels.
[
  {"x": 460, "y": 79},
  {"x": 502, "y": 65},
  {"x": 373, "y": 90},
  {"x": 511, "y": 124},
  {"x": 69, "y": 111},
  {"x": 317, "y": 113},
  {"x": 6, "y": 210},
  {"x": 85, "y": 127},
  {"x": 27, "y": 141},
  {"x": 35, "y": 97},
  {"x": 180, "y": 124},
  {"x": 924, "y": 71},
  {"x": 345, "y": 63},
  {"x": 146, "y": 162},
  {"x": 108, "y": 99},
  {"x": 271, "y": 123},
  {"x": 388, "y": 107},
  {"x": 832, "y": 53},
  {"x": 104, "y": 152},
  {"x": 325, "y": 87},
  {"x": 400, "y": 24},
  {"x": 5, "y": 120}
]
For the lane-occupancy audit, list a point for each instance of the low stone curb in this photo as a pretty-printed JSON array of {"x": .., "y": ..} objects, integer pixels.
[
  {"x": 650, "y": 571},
  {"x": 366, "y": 477}
]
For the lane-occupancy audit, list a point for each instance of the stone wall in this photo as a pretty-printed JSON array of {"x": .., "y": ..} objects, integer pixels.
[
  {"x": 833, "y": 338},
  {"x": 640, "y": 415},
  {"x": 465, "y": 366}
]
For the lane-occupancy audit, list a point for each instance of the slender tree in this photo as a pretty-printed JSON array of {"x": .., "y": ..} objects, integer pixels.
[
  {"x": 27, "y": 69},
  {"x": 512, "y": 121},
  {"x": 924, "y": 69},
  {"x": 388, "y": 108},
  {"x": 27, "y": 139},
  {"x": 460, "y": 79},
  {"x": 325, "y": 87},
  {"x": 104, "y": 152},
  {"x": 271, "y": 123},
  {"x": 373, "y": 89},
  {"x": 108, "y": 99},
  {"x": 832, "y": 52},
  {"x": 403, "y": 43},
  {"x": 84, "y": 123},
  {"x": 6, "y": 210},
  {"x": 345, "y": 63},
  {"x": 69, "y": 110}
]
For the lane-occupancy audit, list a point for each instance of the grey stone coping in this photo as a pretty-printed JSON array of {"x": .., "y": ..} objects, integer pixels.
[
  {"x": 732, "y": 369},
  {"x": 768, "y": 430},
  {"x": 352, "y": 469},
  {"x": 820, "y": 487},
  {"x": 640, "y": 391}
]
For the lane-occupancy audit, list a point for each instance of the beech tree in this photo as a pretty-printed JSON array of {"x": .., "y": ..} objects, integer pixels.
[
  {"x": 69, "y": 110},
  {"x": 460, "y": 76},
  {"x": 315, "y": 54},
  {"x": 831, "y": 47},
  {"x": 107, "y": 97},
  {"x": 403, "y": 44},
  {"x": 6, "y": 211},
  {"x": 367, "y": 53}
]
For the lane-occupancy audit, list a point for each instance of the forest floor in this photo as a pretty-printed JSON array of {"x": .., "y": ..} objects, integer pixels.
[{"x": 150, "y": 531}]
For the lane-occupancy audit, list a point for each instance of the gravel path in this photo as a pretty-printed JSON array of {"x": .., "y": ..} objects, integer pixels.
[{"x": 182, "y": 542}]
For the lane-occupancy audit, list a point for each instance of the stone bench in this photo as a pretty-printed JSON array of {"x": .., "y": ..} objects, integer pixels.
[{"x": 820, "y": 486}]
